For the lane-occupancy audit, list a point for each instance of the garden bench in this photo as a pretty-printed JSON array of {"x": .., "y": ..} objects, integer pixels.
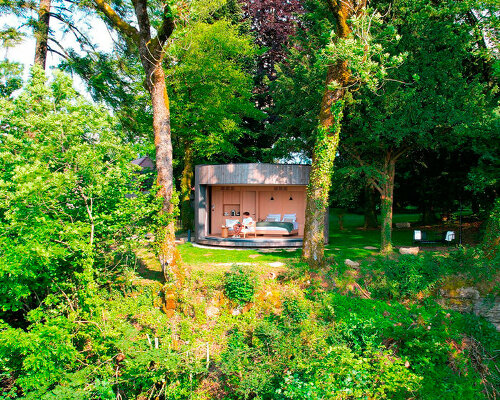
[{"x": 422, "y": 237}]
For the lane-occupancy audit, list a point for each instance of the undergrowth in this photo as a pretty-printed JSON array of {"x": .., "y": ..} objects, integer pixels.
[{"x": 301, "y": 338}]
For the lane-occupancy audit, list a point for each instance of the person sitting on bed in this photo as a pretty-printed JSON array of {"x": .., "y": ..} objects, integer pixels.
[{"x": 247, "y": 223}]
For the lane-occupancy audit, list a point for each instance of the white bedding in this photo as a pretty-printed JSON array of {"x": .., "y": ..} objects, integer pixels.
[{"x": 277, "y": 228}]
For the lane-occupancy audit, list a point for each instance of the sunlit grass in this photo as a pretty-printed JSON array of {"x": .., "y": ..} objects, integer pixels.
[
  {"x": 351, "y": 242},
  {"x": 201, "y": 255}
]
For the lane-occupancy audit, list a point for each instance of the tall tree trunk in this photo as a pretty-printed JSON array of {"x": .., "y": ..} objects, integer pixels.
[
  {"x": 151, "y": 52},
  {"x": 42, "y": 33},
  {"x": 327, "y": 140},
  {"x": 186, "y": 184},
  {"x": 387, "y": 200},
  {"x": 369, "y": 207},
  {"x": 168, "y": 254}
]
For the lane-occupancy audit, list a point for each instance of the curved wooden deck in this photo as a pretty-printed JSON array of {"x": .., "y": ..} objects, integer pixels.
[{"x": 261, "y": 242}]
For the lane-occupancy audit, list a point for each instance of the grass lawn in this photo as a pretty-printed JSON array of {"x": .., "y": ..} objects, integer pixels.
[
  {"x": 196, "y": 255},
  {"x": 348, "y": 243}
]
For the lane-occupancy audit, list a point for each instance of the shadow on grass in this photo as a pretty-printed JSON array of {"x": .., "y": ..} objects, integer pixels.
[{"x": 148, "y": 266}]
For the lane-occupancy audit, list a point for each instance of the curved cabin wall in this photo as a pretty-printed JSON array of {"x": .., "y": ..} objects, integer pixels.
[{"x": 260, "y": 189}]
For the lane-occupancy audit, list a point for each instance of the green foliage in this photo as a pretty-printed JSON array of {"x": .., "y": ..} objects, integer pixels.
[
  {"x": 365, "y": 49},
  {"x": 40, "y": 356},
  {"x": 491, "y": 241},
  {"x": 113, "y": 80},
  {"x": 425, "y": 336},
  {"x": 294, "y": 311},
  {"x": 437, "y": 101},
  {"x": 209, "y": 89},
  {"x": 10, "y": 77},
  {"x": 405, "y": 277},
  {"x": 417, "y": 277},
  {"x": 343, "y": 374},
  {"x": 64, "y": 180},
  {"x": 78, "y": 323},
  {"x": 239, "y": 284}
]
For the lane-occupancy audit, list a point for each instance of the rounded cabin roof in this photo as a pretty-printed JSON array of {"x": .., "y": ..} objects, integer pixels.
[{"x": 252, "y": 174}]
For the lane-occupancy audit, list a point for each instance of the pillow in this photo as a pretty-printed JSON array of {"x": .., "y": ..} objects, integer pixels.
[
  {"x": 231, "y": 222},
  {"x": 273, "y": 217},
  {"x": 289, "y": 217}
]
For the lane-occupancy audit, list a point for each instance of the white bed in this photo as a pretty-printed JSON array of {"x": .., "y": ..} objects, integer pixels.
[
  {"x": 272, "y": 230},
  {"x": 278, "y": 230}
]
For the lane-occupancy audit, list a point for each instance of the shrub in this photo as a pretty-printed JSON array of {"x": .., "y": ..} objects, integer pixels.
[
  {"x": 344, "y": 374},
  {"x": 294, "y": 311},
  {"x": 405, "y": 277},
  {"x": 471, "y": 262},
  {"x": 239, "y": 285},
  {"x": 491, "y": 241}
]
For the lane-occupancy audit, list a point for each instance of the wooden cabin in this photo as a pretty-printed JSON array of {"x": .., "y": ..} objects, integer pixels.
[{"x": 269, "y": 192}]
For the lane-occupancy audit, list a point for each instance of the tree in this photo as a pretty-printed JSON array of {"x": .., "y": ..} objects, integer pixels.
[
  {"x": 42, "y": 29},
  {"x": 38, "y": 16},
  {"x": 327, "y": 138},
  {"x": 151, "y": 53},
  {"x": 64, "y": 174},
  {"x": 355, "y": 56},
  {"x": 10, "y": 77},
  {"x": 114, "y": 78},
  {"x": 210, "y": 96},
  {"x": 434, "y": 99}
]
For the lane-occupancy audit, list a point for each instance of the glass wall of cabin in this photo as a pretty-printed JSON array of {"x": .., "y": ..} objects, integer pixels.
[{"x": 230, "y": 202}]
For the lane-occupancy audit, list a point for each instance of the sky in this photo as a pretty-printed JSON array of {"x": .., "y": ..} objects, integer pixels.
[{"x": 25, "y": 52}]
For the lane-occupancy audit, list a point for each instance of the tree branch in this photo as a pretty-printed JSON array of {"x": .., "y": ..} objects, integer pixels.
[
  {"x": 164, "y": 32},
  {"x": 64, "y": 56},
  {"x": 358, "y": 158},
  {"x": 64, "y": 53},
  {"x": 370, "y": 179},
  {"x": 141, "y": 13},
  {"x": 167, "y": 26},
  {"x": 401, "y": 152},
  {"x": 78, "y": 34},
  {"x": 372, "y": 182},
  {"x": 124, "y": 27}
]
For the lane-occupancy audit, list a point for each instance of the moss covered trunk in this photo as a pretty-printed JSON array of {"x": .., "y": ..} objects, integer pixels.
[
  {"x": 187, "y": 214},
  {"x": 168, "y": 254},
  {"x": 387, "y": 200},
  {"x": 42, "y": 33},
  {"x": 327, "y": 140},
  {"x": 319, "y": 184},
  {"x": 151, "y": 52}
]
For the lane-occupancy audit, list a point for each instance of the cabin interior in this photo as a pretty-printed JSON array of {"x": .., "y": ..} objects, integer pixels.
[{"x": 230, "y": 202}]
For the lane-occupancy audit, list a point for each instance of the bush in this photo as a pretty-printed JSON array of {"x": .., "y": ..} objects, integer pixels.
[
  {"x": 406, "y": 277},
  {"x": 491, "y": 241},
  {"x": 471, "y": 262},
  {"x": 239, "y": 285},
  {"x": 344, "y": 374},
  {"x": 294, "y": 311}
]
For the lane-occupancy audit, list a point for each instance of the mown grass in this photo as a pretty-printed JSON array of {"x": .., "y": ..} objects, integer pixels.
[{"x": 347, "y": 243}]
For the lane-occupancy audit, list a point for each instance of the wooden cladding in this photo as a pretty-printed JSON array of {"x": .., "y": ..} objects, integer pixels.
[{"x": 252, "y": 174}]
